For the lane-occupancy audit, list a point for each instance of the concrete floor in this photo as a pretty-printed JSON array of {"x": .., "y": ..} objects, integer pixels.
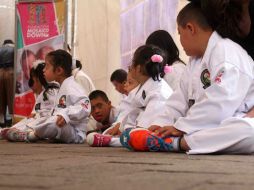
[{"x": 69, "y": 167}]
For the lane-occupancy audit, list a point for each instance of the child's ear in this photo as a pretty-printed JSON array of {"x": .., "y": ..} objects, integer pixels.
[
  {"x": 190, "y": 27},
  {"x": 59, "y": 71}
]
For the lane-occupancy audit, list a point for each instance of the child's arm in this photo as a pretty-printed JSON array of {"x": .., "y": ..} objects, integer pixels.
[{"x": 79, "y": 110}]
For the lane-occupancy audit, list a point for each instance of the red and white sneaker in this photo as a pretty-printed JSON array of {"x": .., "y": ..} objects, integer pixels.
[
  {"x": 3, "y": 132},
  {"x": 15, "y": 135},
  {"x": 98, "y": 140}
]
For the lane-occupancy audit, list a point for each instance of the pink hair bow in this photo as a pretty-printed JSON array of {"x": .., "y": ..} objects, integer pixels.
[
  {"x": 168, "y": 69},
  {"x": 157, "y": 58}
]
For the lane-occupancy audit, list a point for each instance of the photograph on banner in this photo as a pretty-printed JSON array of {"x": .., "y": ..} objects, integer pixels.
[{"x": 24, "y": 98}]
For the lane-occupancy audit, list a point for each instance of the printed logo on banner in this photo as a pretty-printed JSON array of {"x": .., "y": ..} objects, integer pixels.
[{"x": 38, "y": 21}]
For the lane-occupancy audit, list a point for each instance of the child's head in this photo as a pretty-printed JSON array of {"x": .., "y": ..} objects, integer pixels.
[
  {"x": 163, "y": 40},
  {"x": 194, "y": 29},
  {"x": 130, "y": 84},
  {"x": 118, "y": 78},
  {"x": 58, "y": 65},
  {"x": 148, "y": 61},
  {"x": 101, "y": 106},
  {"x": 37, "y": 80},
  {"x": 27, "y": 59}
]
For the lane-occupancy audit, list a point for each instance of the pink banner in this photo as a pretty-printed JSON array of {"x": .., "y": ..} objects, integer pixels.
[{"x": 38, "y": 21}]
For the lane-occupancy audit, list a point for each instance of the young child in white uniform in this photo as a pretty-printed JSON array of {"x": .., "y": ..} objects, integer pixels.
[
  {"x": 70, "y": 114},
  {"x": 174, "y": 65},
  {"x": 205, "y": 114},
  {"x": 46, "y": 94}
]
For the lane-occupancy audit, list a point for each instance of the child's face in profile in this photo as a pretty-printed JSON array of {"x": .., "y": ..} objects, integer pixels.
[
  {"x": 119, "y": 87},
  {"x": 37, "y": 87},
  {"x": 186, "y": 39},
  {"x": 130, "y": 84},
  {"x": 48, "y": 71},
  {"x": 100, "y": 109}
]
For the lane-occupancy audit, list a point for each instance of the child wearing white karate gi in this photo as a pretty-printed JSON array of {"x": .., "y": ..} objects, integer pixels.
[
  {"x": 205, "y": 115},
  {"x": 46, "y": 94},
  {"x": 70, "y": 114}
]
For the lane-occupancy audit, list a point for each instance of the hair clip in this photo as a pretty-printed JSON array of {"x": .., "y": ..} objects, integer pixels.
[
  {"x": 157, "y": 58},
  {"x": 38, "y": 62},
  {"x": 168, "y": 69}
]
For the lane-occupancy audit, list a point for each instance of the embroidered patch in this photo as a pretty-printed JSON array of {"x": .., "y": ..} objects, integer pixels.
[
  {"x": 62, "y": 102},
  {"x": 37, "y": 107},
  {"x": 85, "y": 104},
  {"x": 191, "y": 102},
  {"x": 205, "y": 78},
  {"x": 144, "y": 94},
  {"x": 218, "y": 77}
]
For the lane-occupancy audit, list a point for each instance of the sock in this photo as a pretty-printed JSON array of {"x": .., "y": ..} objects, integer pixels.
[{"x": 115, "y": 142}]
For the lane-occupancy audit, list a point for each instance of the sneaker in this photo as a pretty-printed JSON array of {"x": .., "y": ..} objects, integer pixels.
[
  {"x": 98, "y": 140},
  {"x": 3, "y": 132},
  {"x": 16, "y": 135},
  {"x": 144, "y": 140},
  {"x": 125, "y": 138}
]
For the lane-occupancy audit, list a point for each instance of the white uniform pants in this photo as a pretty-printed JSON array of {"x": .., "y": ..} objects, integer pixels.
[
  {"x": 233, "y": 136},
  {"x": 48, "y": 129}
]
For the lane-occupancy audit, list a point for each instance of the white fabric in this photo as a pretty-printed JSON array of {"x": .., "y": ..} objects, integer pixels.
[
  {"x": 72, "y": 104},
  {"x": 149, "y": 99},
  {"x": 233, "y": 136},
  {"x": 43, "y": 109},
  {"x": 84, "y": 80},
  {"x": 230, "y": 93},
  {"x": 173, "y": 78}
]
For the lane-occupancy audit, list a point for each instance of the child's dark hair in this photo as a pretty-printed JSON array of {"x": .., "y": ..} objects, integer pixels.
[
  {"x": 224, "y": 16},
  {"x": 37, "y": 72},
  {"x": 163, "y": 40},
  {"x": 98, "y": 93},
  {"x": 193, "y": 12},
  {"x": 119, "y": 75},
  {"x": 76, "y": 64},
  {"x": 61, "y": 58},
  {"x": 143, "y": 57}
]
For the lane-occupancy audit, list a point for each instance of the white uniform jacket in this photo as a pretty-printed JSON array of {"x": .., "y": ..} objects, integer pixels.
[
  {"x": 149, "y": 99},
  {"x": 73, "y": 105},
  {"x": 83, "y": 80},
  {"x": 173, "y": 77},
  {"x": 44, "y": 107},
  {"x": 218, "y": 86}
]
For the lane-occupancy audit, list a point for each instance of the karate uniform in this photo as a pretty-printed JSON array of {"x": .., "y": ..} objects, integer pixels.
[
  {"x": 42, "y": 110},
  {"x": 84, "y": 80},
  {"x": 148, "y": 100},
  {"x": 213, "y": 92},
  {"x": 72, "y": 104},
  {"x": 173, "y": 77}
]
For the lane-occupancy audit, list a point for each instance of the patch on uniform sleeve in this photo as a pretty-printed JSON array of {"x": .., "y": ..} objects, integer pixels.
[
  {"x": 85, "y": 104},
  {"x": 144, "y": 94},
  {"x": 205, "y": 78},
  {"x": 37, "y": 107},
  {"x": 62, "y": 102},
  {"x": 218, "y": 77}
]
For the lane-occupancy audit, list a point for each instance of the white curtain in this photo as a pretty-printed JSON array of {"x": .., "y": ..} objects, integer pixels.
[{"x": 98, "y": 41}]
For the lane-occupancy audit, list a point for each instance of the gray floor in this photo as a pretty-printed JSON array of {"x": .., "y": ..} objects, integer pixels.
[{"x": 59, "y": 166}]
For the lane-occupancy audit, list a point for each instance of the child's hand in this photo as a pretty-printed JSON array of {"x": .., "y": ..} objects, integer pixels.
[
  {"x": 60, "y": 122},
  {"x": 154, "y": 128},
  {"x": 250, "y": 114},
  {"x": 169, "y": 131},
  {"x": 114, "y": 130}
]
